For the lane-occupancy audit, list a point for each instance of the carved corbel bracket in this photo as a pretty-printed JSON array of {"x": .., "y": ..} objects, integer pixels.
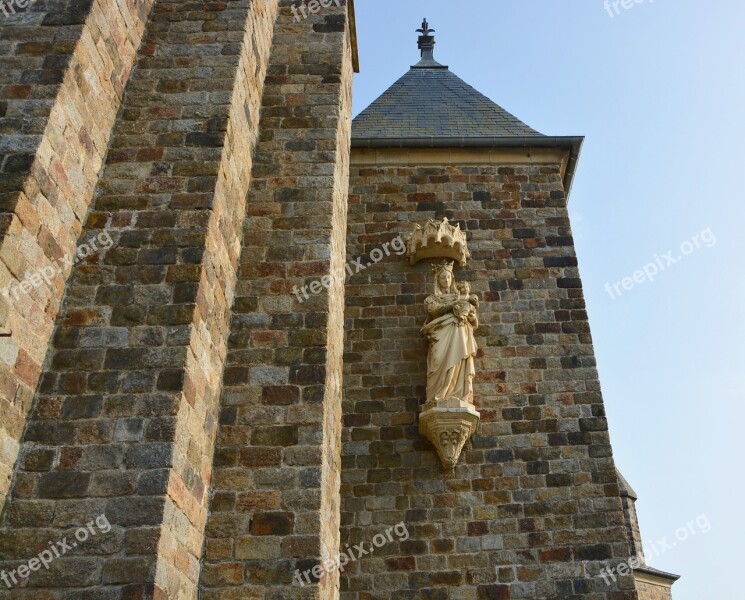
[{"x": 448, "y": 424}]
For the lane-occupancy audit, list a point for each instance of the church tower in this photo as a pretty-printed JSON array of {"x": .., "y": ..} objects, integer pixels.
[
  {"x": 228, "y": 369},
  {"x": 532, "y": 508}
]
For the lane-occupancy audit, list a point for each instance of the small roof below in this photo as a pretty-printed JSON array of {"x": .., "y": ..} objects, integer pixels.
[
  {"x": 663, "y": 576},
  {"x": 626, "y": 489}
]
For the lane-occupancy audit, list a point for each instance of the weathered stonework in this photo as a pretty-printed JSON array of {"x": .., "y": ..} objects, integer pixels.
[
  {"x": 125, "y": 419},
  {"x": 651, "y": 589},
  {"x": 64, "y": 68},
  {"x": 236, "y": 431},
  {"x": 533, "y": 509},
  {"x": 275, "y": 502}
]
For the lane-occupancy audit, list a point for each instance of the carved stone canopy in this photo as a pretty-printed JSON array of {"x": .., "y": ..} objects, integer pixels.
[{"x": 438, "y": 239}]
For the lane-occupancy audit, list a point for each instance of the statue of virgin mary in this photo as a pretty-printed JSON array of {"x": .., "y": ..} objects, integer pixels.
[{"x": 451, "y": 321}]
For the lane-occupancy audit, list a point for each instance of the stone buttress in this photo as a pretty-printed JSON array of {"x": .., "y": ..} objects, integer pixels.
[{"x": 160, "y": 116}]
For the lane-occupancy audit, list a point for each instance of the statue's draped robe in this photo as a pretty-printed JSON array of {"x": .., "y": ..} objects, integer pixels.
[{"x": 450, "y": 367}]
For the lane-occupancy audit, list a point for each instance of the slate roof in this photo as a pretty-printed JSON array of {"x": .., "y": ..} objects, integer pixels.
[{"x": 432, "y": 102}]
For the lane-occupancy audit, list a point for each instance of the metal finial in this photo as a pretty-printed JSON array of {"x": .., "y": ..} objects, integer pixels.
[
  {"x": 427, "y": 48},
  {"x": 425, "y": 30},
  {"x": 426, "y": 41}
]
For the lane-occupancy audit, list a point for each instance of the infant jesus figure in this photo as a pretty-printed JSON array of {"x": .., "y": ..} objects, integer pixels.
[{"x": 466, "y": 304}]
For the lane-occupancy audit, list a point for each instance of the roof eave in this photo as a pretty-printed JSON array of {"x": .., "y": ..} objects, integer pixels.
[
  {"x": 572, "y": 144},
  {"x": 655, "y": 575}
]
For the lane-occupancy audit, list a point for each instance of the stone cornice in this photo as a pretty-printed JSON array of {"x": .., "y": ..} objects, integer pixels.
[
  {"x": 564, "y": 151},
  {"x": 457, "y": 156},
  {"x": 655, "y": 577}
]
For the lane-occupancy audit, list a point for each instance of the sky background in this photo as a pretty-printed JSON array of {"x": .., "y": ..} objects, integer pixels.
[{"x": 658, "y": 92}]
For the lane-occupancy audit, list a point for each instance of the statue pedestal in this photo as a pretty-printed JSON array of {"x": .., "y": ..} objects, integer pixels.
[{"x": 448, "y": 424}]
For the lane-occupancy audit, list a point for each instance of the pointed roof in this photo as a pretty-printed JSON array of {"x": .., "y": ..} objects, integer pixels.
[
  {"x": 433, "y": 102},
  {"x": 430, "y": 101},
  {"x": 431, "y": 107}
]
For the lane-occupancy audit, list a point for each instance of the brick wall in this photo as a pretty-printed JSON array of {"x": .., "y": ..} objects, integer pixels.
[
  {"x": 126, "y": 416},
  {"x": 275, "y": 503},
  {"x": 533, "y": 509},
  {"x": 64, "y": 68}
]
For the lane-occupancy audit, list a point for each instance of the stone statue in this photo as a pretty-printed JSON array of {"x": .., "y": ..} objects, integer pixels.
[
  {"x": 452, "y": 347},
  {"x": 449, "y": 418}
]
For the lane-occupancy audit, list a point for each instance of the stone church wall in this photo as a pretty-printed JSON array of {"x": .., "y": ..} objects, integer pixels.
[
  {"x": 224, "y": 187},
  {"x": 236, "y": 419},
  {"x": 64, "y": 69},
  {"x": 124, "y": 421},
  {"x": 275, "y": 506}
]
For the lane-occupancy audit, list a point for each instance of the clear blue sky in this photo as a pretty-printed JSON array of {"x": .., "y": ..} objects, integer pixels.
[{"x": 659, "y": 93}]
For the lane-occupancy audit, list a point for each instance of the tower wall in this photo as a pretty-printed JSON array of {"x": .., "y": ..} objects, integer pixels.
[{"x": 532, "y": 510}]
